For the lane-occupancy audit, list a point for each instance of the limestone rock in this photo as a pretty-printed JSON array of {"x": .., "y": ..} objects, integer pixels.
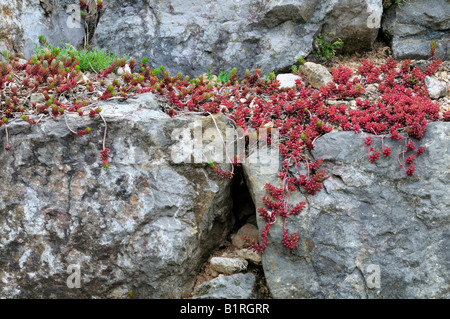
[
  {"x": 435, "y": 88},
  {"x": 228, "y": 265},
  {"x": 146, "y": 224},
  {"x": 317, "y": 75},
  {"x": 412, "y": 27},
  {"x": 355, "y": 22},
  {"x": 22, "y": 24},
  {"x": 250, "y": 255},
  {"x": 288, "y": 80},
  {"x": 370, "y": 221},
  {"x": 192, "y": 37}
]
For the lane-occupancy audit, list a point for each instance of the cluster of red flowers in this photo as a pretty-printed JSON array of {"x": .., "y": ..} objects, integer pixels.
[
  {"x": 277, "y": 206},
  {"x": 290, "y": 241}
]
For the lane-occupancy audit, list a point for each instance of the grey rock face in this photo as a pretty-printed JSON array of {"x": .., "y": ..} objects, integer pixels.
[
  {"x": 355, "y": 22},
  {"x": 237, "y": 286},
  {"x": 24, "y": 21},
  {"x": 145, "y": 225},
  {"x": 371, "y": 232},
  {"x": 412, "y": 27},
  {"x": 194, "y": 37}
]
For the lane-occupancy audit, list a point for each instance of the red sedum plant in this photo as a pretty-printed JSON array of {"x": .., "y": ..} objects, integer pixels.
[{"x": 302, "y": 114}]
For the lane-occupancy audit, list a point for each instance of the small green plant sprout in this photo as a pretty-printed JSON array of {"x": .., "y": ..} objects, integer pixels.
[
  {"x": 327, "y": 49},
  {"x": 223, "y": 77},
  {"x": 155, "y": 71},
  {"x": 432, "y": 49},
  {"x": 43, "y": 41},
  {"x": 233, "y": 75},
  {"x": 297, "y": 70},
  {"x": 6, "y": 54}
]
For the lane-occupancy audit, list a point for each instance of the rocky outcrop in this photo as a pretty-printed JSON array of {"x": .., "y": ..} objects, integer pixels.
[
  {"x": 195, "y": 37},
  {"x": 371, "y": 232},
  {"x": 24, "y": 21},
  {"x": 145, "y": 225},
  {"x": 355, "y": 22},
  {"x": 412, "y": 27}
]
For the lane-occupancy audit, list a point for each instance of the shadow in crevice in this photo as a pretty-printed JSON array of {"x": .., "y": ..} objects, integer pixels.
[{"x": 243, "y": 207}]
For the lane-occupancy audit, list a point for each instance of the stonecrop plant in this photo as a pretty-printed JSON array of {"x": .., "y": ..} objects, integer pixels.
[{"x": 301, "y": 113}]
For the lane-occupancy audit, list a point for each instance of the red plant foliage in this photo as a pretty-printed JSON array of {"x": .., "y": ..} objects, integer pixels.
[{"x": 301, "y": 114}]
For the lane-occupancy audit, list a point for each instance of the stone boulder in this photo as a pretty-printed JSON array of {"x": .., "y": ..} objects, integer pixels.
[
  {"x": 412, "y": 27},
  {"x": 316, "y": 75},
  {"x": 24, "y": 21},
  {"x": 436, "y": 88},
  {"x": 371, "y": 232},
  {"x": 355, "y": 22},
  {"x": 228, "y": 265},
  {"x": 145, "y": 225},
  {"x": 194, "y": 37},
  {"x": 287, "y": 81}
]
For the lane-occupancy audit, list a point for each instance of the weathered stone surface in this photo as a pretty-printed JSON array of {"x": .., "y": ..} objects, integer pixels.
[
  {"x": 228, "y": 265},
  {"x": 317, "y": 75},
  {"x": 248, "y": 231},
  {"x": 412, "y": 27},
  {"x": 250, "y": 255},
  {"x": 435, "y": 88},
  {"x": 24, "y": 21},
  {"x": 368, "y": 217},
  {"x": 195, "y": 36},
  {"x": 145, "y": 225},
  {"x": 237, "y": 286},
  {"x": 355, "y": 22}
]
